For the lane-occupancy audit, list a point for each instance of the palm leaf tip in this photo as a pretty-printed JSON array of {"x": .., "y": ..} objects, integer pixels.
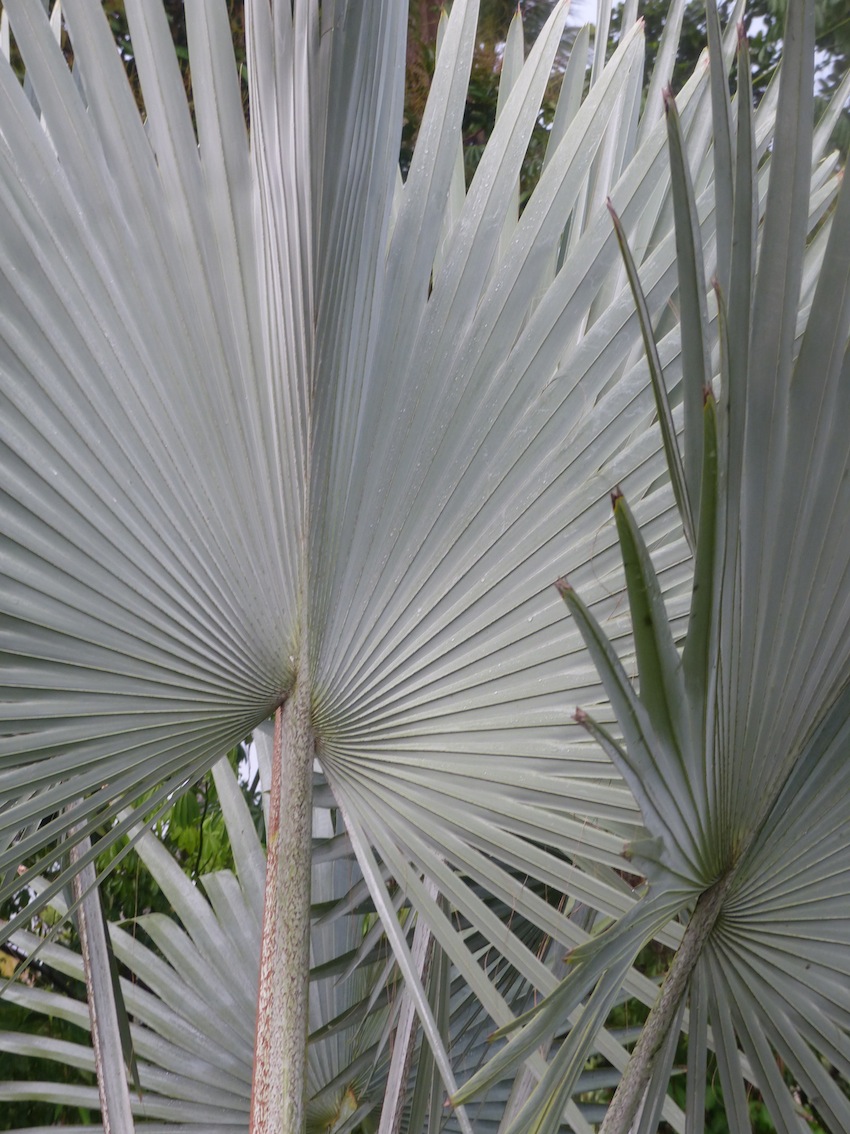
[
  {"x": 614, "y": 218},
  {"x": 563, "y": 587}
]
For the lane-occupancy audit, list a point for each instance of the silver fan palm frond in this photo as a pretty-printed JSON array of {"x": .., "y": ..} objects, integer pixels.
[
  {"x": 191, "y": 990},
  {"x": 189, "y": 986},
  {"x": 283, "y": 433},
  {"x": 734, "y": 748}
]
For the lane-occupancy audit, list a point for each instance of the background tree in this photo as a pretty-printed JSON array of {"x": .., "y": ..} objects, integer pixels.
[{"x": 765, "y": 20}]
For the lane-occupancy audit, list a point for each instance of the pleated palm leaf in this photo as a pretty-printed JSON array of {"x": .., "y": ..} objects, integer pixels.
[
  {"x": 192, "y": 996},
  {"x": 736, "y": 746},
  {"x": 281, "y": 434}
]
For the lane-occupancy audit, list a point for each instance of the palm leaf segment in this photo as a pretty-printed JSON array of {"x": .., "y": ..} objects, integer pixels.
[
  {"x": 248, "y": 427},
  {"x": 188, "y": 340},
  {"x": 185, "y": 345},
  {"x": 736, "y": 747},
  {"x": 193, "y": 995}
]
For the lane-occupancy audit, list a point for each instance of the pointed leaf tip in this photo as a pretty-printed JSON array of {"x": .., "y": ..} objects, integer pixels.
[
  {"x": 618, "y": 224},
  {"x": 563, "y": 587}
]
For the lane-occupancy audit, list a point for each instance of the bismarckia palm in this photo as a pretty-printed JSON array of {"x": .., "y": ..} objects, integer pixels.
[{"x": 283, "y": 434}]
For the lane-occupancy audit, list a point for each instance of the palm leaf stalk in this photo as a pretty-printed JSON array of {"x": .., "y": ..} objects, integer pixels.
[
  {"x": 282, "y": 432},
  {"x": 277, "y": 1101},
  {"x": 104, "y": 1003},
  {"x": 735, "y": 745}
]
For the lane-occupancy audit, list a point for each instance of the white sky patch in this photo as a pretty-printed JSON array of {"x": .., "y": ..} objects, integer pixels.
[{"x": 581, "y": 12}]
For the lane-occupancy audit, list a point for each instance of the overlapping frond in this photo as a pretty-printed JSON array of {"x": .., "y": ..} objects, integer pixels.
[
  {"x": 139, "y": 447},
  {"x": 266, "y": 408},
  {"x": 190, "y": 988},
  {"x": 735, "y": 749},
  {"x": 191, "y": 991},
  {"x": 153, "y": 577}
]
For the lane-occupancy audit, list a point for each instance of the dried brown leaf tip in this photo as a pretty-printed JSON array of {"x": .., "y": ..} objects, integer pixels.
[
  {"x": 563, "y": 587},
  {"x": 580, "y": 717},
  {"x": 669, "y": 98},
  {"x": 616, "y": 495},
  {"x": 618, "y": 227}
]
